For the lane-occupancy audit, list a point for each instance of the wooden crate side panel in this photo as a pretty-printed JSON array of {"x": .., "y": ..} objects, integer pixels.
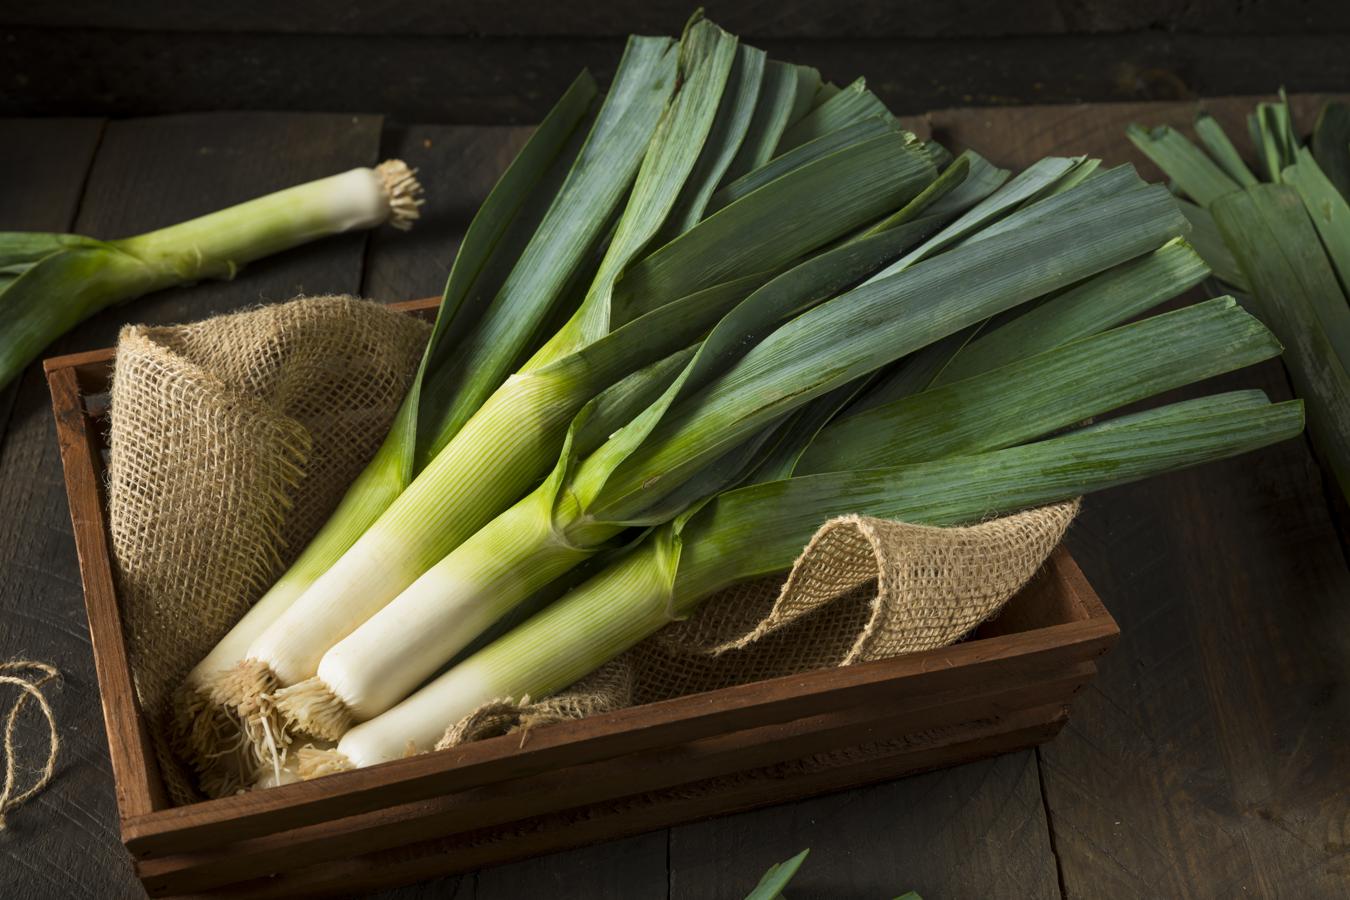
[
  {"x": 592, "y": 783},
  {"x": 136, "y": 776},
  {"x": 677, "y": 721},
  {"x": 881, "y": 759}
]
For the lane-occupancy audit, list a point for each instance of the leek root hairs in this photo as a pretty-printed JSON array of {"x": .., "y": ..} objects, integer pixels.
[
  {"x": 206, "y": 735},
  {"x": 228, "y": 750},
  {"x": 315, "y": 762},
  {"x": 311, "y": 706},
  {"x": 234, "y": 721}
]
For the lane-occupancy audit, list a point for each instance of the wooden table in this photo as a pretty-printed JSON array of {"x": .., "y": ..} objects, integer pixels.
[{"x": 1210, "y": 759}]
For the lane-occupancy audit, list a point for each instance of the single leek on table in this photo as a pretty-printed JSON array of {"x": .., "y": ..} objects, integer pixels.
[
  {"x": 49, "y": 283},
  {"x": 1284, "y": 239}
]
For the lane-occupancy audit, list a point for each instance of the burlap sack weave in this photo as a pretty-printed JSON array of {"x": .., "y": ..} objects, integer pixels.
[{"x": 231, "y": 440}]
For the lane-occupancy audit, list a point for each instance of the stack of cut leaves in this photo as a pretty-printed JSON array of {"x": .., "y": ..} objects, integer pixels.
[
  {"x": 1282, "y": 237},
  {"x": 696, "y": 318}
]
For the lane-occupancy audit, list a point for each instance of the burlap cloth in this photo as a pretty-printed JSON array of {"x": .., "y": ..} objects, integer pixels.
[{"x": 232, "y": 439}]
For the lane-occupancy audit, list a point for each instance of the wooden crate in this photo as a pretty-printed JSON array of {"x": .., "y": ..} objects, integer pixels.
[{"x": 572, "y": 783}]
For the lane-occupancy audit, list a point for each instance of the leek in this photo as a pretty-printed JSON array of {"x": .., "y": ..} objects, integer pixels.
[
  {"x": 641, "y": 307},
  {"x": 759, "y": 529},
  {"x": 432, "y": 392},
  {"x": 49, "y": 283},
  {"x": 521, "y": 252},
  {"x": 1331, "y": 144},
  {"x": 707, "y": 427},
  {"x": 1270, "y": 233}
]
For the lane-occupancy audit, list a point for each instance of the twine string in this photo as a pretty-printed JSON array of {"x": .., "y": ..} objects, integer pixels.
[{"x": 36, "y": 674}]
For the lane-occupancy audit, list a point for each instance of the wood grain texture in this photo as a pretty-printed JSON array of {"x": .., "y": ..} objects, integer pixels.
[
  {"x": 1210, "y": 758},
  {"x": 975, "y": 832},
  {"x": 65, "y": 843},
  {"x": 630, "y": 869},
  {"x": 458, "y": 165},
  {"x": 71, "y": 827},
  {"x": 49, "y": 159},
  {"x": 757, "y": 18},
  {"x": 516, "y": 79}
]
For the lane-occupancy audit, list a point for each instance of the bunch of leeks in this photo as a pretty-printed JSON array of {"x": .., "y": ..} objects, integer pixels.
[
  {"x": 722, "y": 411},
  {"x": 732, "y": 471},
  {"x": 49, "y": 283},
  {"x": 758, "y": 528},
  {"x": 785, "y": 307},
  {"x": 605, "y": 223},
  {"x": 1283, "y": 237}
]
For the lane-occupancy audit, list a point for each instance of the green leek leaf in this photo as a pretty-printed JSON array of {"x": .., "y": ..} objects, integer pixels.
[
  {"x": 1195, "y": 174},
  {"x": 773, "y": 108},
  {"x": 1331, "y": 145},
  {"x": 1221, "y": 148},
  {"x": 1328, "y": 210},
  {"x": 1278, "y": 249},
  {"x": 760, "y": 529},
  {"x": 852, "y": 104},
  {"x": 1033, "y": 396}
]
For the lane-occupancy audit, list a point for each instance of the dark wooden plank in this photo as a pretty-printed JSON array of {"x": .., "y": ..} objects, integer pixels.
[
  {"x": 47, "y": 160},
  {"x": 457, "y": 165},
  {"x": 977, "y": 831},
  {"x": 455, "y": 887},
  {"x": 146, "y": 174},
  {"x": 1210, "y": 757},
  {"x": 759, "y": 18},
  {"x": 630, "y": 869},
  {"x": 43, "y": 164},
  {"x": 515, "y": 80}
]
